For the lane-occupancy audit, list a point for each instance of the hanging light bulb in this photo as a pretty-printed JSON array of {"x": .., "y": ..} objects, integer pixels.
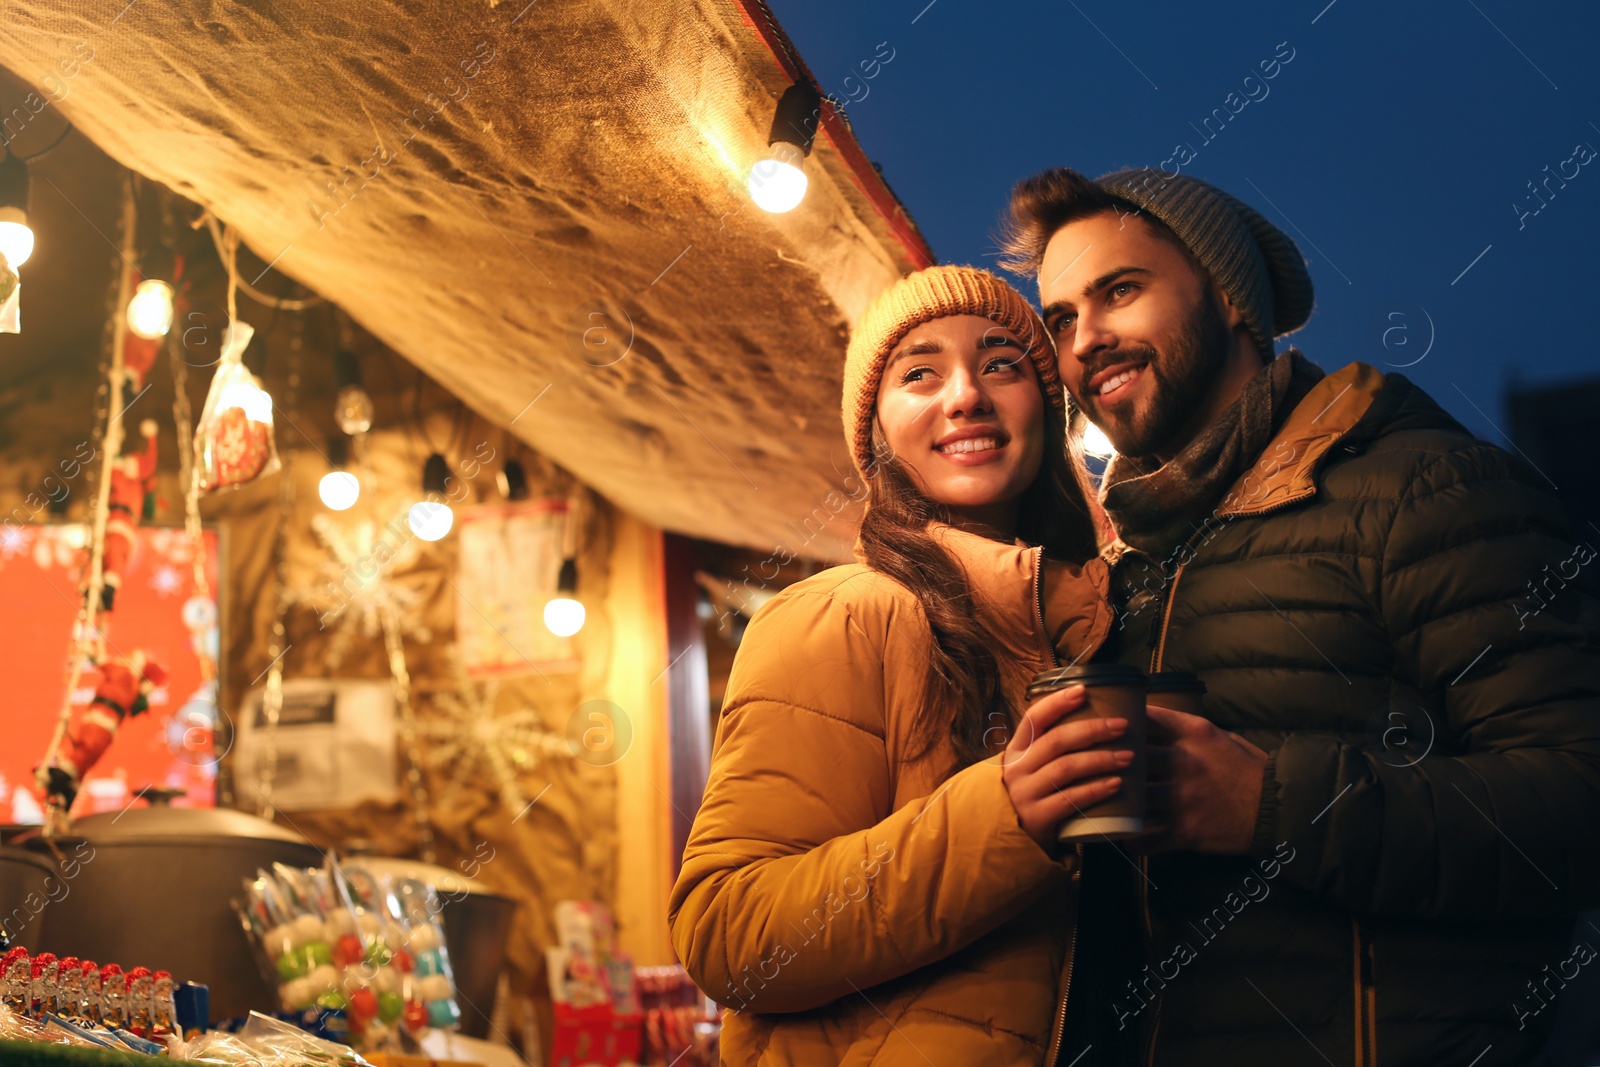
[
  {"x": 1096, "y": 443},
  {"x": 563, "y": 613},
  {"x": 431, "y": 518},
  {"x": 339, "y": 489},
  {"x": 150, "y": 310},
  {"x": 513, "y": 481},
  {"x": 778, "y": 182},
  {"x": 352, "y": 407},
  {"x": 16, "y": 237}
]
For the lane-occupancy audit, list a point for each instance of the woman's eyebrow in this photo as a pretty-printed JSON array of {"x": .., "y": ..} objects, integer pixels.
[{"x": 917, "y": 348}]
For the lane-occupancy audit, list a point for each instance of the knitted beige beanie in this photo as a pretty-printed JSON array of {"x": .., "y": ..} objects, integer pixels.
[{"x": 921, "y": 297}]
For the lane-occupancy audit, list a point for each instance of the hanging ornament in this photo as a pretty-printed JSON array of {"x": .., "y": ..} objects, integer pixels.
[
  {"x": 132, "y": 500},
  {"x": 358, "y": 586},
  {"x": 124, "y": 690},
  {"x": 233, "y": 440},
  {"x": 471, "y": 743}
]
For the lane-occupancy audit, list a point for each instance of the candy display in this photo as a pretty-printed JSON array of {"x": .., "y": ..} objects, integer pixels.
[
  {"x": 680, "y": 1023},
  {"x": 597, "y": 1008},
  {"x": 72, "y": 1001},
  {"x": 343, "y": 939}
]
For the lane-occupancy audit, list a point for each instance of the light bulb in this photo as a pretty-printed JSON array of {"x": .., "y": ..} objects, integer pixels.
[
  {"x": 339, "y": 490},
  {"x": 430, "y": 519},
  {"x": 16, "y": 239},
  {"x": 1096, "y": 443},
  {"x": 564, "y": 616},
  {"x": 352, "y": 410},
  {"x": 256, "y": 401},
  {"x": 777, "y": 184},
  {"x": 150, "y": 310}
]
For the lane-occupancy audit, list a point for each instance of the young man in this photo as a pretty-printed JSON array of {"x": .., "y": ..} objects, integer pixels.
[{"x": 1389, "y": 816}]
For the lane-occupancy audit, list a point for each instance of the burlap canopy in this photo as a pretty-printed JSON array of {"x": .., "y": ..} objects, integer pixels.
[{"x": 540, "y": 204}]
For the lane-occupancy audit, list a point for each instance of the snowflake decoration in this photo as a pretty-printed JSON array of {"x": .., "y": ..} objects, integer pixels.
[
  {"x": 467, "y": 739},
  {"x": 359, "y": 589},
  {"x": 14, "y": 540},
  {"x": 166, "y": 581}
]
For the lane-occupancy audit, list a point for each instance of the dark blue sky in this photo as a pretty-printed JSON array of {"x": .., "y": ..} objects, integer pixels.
[{"x": 1392, "y": 147}]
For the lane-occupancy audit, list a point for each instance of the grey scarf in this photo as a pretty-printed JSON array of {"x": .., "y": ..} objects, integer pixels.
[{"x": 1156, "y": 506}]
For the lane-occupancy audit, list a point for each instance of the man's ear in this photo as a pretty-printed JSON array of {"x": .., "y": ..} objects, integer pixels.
[{"x": 1230, "y": 311}]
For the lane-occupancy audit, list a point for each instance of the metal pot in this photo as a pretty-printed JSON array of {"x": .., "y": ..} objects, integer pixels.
[
  {"x": 476, "y": 925},
  {"x": 26, "y": 888},
  {"x": 152, "y": 886}
]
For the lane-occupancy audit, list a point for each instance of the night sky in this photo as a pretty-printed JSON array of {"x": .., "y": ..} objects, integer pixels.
[{"x": 1395, "y": 143}]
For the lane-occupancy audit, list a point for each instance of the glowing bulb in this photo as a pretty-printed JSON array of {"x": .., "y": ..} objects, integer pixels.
[
  {"x": 16, "y": 239},
  {"x": 150, "y": 310},
  {"x": 1096, "y": 443},
  {"x": 777, "y": 184},
  {"x": 564, "y": 616},
  {"x": 256, "y": 401},
  {"x": 430, "y": 519},
  {"x": 339, "y": 490},
  {"x": 352, "y": 410}
]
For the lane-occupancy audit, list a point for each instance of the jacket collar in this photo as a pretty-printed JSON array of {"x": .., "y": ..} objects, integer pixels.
[
  {"x": 1028, "y": 604},
  {"x": 1285, "y": 471}
]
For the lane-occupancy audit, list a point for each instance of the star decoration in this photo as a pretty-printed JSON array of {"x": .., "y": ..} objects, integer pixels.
[
  {"x": 166, "y": 580},
  {"x": 13, "y": 540},
  {"x": 359, "y": 588},
  {"x": 465, "y": 736}
]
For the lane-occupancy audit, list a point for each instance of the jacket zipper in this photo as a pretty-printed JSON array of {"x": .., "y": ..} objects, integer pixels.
[
  {"x": 1072, "y": 936},
  {"x": 1365, "y": 999},
  {"x": 1158, "y": 644}
]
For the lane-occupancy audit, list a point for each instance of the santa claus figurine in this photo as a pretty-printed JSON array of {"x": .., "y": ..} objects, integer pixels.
[
  {"x": 133, "y": 480},
  {"x": 124, "y": 689}
]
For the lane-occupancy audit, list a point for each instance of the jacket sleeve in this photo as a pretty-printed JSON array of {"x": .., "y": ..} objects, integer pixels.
[
  {"x": 1483, "y": 802},
  {"x": 798, "y": 885}
]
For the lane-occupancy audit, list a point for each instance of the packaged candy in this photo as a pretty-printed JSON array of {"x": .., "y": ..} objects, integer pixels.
[
  {"x": 113, "y": 997},
  {"x": 343, "y": 939},
  {"x": 89, "y": 1009},
  {"x": 69, "y": 988},
  {"x": 16, "y": 981},
  {"x": 163, "y": 1005},
  {"x": 45, "y": 973},
  {"x": 233, "y": 439},
  {"x": 140, "y": 993}
]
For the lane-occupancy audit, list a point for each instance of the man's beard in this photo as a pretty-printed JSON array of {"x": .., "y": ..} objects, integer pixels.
[{"x": 1180, "y": 380}]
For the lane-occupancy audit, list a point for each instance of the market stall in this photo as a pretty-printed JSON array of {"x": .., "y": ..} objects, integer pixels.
[{"x": 374, "y": 390}]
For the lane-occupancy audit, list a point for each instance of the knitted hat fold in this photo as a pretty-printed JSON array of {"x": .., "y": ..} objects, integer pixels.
[
  {"x": 1254, "y": 262},
  {"x": 923, "y": 296}
]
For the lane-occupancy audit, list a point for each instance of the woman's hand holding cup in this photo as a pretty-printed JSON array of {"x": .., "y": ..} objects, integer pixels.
[{"x": 1052, "y": 770}]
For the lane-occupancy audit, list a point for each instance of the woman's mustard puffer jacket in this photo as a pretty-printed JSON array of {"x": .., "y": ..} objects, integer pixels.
[{"x": 854, "y": 906}]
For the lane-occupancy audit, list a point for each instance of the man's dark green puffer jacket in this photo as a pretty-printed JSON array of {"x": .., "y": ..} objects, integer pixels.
[{"x": 1393, "y": 610}]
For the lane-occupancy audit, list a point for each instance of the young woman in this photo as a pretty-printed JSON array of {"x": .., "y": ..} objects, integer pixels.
[{"x": 872, "y": 877}]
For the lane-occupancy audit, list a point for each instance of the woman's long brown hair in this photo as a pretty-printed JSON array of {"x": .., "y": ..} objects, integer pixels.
[{"x": 963, "y": 687}]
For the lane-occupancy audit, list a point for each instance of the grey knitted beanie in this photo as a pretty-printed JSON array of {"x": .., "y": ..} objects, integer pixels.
[{"x": 1254, "y": 262}]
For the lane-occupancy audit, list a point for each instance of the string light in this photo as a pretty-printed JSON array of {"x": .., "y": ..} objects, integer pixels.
[
  {"x": 16, "y": 236},
  {"x": 352, "y": 407},
  {"x": 778, "y": 182},
  {"x": 150, "y": 310},
  {"x": 339, "y": 489},
  {"x": 563, "y": 614},
  {"x": 431, "y": 518}
]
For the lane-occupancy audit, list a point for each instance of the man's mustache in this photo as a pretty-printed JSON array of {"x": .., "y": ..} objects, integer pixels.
[{"x": 1139, "y": 354}]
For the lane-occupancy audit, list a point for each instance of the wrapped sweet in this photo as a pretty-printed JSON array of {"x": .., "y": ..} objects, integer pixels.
[
  {"x": 69, "y": 988},
  {"x": 45, "y": 972},
  {"x": 90, "y": 1010},
  {"x": 163, "y": 1005},
  {"x": 141, "y": 991},
  {"x": 113, "y": 997},
  {"x": 16, "y": 981}
]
